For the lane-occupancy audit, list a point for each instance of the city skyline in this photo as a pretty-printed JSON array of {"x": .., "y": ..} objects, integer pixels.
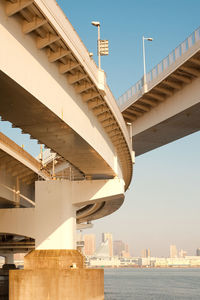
[
  {"x": 162, "y": 204},
  {"x": 119, "y": 246}
]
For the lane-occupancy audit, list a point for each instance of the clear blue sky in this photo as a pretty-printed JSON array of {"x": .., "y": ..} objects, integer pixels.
[{"x": 163, "y": 203}]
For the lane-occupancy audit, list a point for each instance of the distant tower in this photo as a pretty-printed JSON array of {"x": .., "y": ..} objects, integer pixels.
[
  {"x": 198, "y": 252},
  {"x": 145, "y": 253},
  {"x": 108, "y": 237},
  {"x": 89, "y": 244},
  {"x": 173, "y": 251}
]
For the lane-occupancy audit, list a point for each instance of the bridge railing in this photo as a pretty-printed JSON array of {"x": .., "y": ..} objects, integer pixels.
[{"x": 161, "y": 67}]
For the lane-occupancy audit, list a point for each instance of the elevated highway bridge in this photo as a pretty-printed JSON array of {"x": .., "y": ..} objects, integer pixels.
[
  {"x": 168, "y": 106},
  {"x": 63, "y": 101},
  {"x": 52, "y": 89}
]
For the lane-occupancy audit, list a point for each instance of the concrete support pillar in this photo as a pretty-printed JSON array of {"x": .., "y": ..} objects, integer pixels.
[
  {"x": 55, "y": 215},
  {"x": 9, "y": 259}
]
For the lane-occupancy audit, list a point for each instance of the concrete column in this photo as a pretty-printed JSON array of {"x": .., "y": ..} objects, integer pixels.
[
  {"x": 55, "y": 215},
  {"x": 9, "y": 259}
]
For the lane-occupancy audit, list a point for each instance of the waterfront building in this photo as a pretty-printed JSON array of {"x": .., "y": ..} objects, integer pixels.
[
  {"x": 108, "y": 237},
  {"x": 144, "y": 261},
  {"x": 89, "y": 244},
  {"x": 173, "y": 251},
  {"x": 198, "y": 252},
  {"x": 104, "y": 262},
  {"x": 182, "y": 253}
]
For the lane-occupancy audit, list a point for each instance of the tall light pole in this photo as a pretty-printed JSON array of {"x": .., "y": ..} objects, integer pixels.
[
  {"x": 97, "y": 24},
  {"x": 144, "y": 62}
]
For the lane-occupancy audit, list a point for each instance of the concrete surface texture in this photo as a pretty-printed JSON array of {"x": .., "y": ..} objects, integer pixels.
[{"x": 56, "y": 275}]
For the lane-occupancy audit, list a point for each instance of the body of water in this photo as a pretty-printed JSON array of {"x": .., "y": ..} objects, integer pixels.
[{"x": 152, "y": 284}]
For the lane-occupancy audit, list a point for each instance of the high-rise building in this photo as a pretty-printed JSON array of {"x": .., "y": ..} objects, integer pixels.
[
  {"x": 89, "y": 244},
  {"x": 145, "y": 253},
  {"x": 103, "y": 250},
  {"x": 173, "y": 251},
  {"x": 108, "y": 237},
  {"x": 198, "y": 252},
  {"x": 118, "y": 247}
]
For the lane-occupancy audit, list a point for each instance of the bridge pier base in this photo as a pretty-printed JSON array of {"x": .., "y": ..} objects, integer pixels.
[
  {"x": 56, "y": 275},
  {"x": 55, "y": 270}
]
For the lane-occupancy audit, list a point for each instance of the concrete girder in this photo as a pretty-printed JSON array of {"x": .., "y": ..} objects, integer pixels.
[
  {"x": 76, "y": 77},
  {"x": 28, "y": 27},
  {"x": 101, "y": 109},
  {"x": 46, "y": 41},
  {"x": 13, "y": 8},
  {"x": 182, "y": 78},
  {"x": 58, "y": 54},
  {"x": 154, "y": 95},
  {"x": 89, "y": 95},
  {"x": 141, "y": 106},
  {"x": 174, "y": 85},
  {"x": 152, "y": 103},
  {"x": 94, "y": 103},
  {"x": 195, "y": 61},
  {"x": 28, "y": 15},
  {"x": 108, "y": 122},
  {"x": 191, "y": 71},
  {"x": 114, "y": 133},
  {"x": 118, "y": 139},
  {"x": 163, "y": 90},
  {"x": 84, "y": 86},
  {"x": 104, "y": 116},
  {"x": 111, "y": 128},
  {"x": 70, "y": 65},
  {"x": 129, "y": 115},
  {"x": 133, "y": 110}
]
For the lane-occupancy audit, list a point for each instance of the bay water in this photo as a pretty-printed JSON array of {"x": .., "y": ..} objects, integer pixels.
[{"x": 152, "y": 284}]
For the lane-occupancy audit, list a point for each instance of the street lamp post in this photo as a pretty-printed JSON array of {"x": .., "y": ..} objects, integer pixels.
[
  {"x": 97, "y": 24},
  {"x": 144, "y": 62}
]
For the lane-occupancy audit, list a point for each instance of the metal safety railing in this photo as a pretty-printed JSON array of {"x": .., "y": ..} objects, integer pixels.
[{"x": 161, "y": 67}]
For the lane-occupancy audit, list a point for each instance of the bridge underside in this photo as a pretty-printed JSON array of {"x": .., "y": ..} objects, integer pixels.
[
  {"x": 171, "y": 129},
  {"x": 43, "y": 125}
]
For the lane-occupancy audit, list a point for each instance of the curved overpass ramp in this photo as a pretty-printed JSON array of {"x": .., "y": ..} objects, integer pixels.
[{"x": 52, "y": 89}]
